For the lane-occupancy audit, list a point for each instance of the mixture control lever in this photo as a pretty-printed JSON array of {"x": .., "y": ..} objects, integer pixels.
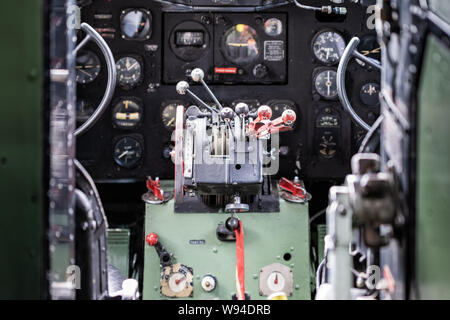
[{"x": 165, "y": 257}]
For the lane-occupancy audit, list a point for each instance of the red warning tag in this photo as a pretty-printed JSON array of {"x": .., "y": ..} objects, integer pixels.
[{"x": 225, "y": 70}]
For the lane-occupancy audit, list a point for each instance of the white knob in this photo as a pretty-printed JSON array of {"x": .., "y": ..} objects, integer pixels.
[
  {"x": 208, "y": 283},
  {"x": 197, "y": 74},
  {"x": 182, "y": 86}
]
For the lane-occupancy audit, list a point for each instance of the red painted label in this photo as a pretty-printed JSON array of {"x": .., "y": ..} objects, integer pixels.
[{"x": 225, "y": 70}]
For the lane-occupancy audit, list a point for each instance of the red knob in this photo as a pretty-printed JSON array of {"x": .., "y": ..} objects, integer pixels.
[
  {"x": 289, "y": 116},
  {"x": 152, "y": 239},
  {"x": 265, "y": 112}
]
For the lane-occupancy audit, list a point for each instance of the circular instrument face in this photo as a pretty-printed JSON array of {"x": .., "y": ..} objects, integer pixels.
[
  {"x": 177, "y": 282},
  {"x": 84, "y": 110},
  {"x": 88, "y": 67},
  {"x": 127, "y": 114},
  {"x": 273, "y": 27},
  {"x": 127, "y": 152},
  {"x": 327, "y": 145},
  {"x": 168, "y": 116},
  {"x": 276, "y": 281},
  {"x": 327, "y": 121},
  {"x": 369, "y": 94},
  {"x": 129, "y": 72},
  {"x": 369, "y": 47},
  {"x": 325, "y": 84},
  {"x": 136, "y": 25},
  {"x": 241, "y": 44},
  {"x": 328, "y": 47}
]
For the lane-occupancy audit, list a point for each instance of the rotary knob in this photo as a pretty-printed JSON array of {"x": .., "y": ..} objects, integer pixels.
[
  {"x": 209, "y": 283},
  {"x": 260, "y": 71}
]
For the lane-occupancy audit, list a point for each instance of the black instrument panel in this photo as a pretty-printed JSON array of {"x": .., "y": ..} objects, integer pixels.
[{"x": 284, "y": 57}]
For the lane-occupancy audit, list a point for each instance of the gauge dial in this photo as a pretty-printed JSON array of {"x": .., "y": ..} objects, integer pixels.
[
  {"x": 136, "y": 24},
  {"x": 369, "y": 47},
  {"x": 328, "y": 47},
  {"x": 276, "y": 281},
  {"x": 88, "y": 67},
  {"x": 84, "y": 110},
  {"x": 325, "y": 84},
  {"x": 327, "y": 121},
  {"x": 273, "y": 27},
  {"x": 168, "y": 116},
  {"x": 127, "y": 114},
  {"x": 177, "y": 281},
  {"x": 328, "y": 145},
  {"x": 241, "y": 44},
  {"x": 129, "y": 72},
  {"x": 369, "y": 94},
  {"x": 127, "y": 152}
]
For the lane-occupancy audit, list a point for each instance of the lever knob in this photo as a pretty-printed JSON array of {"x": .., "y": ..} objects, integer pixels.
[
  {"x": 264, "y": 112},
  {"x": 152, "y": 239},
  {"x": 242, "y": 109},
  {"x": 182, "y": 86},
  {"x": 227, "y": 113},
  {"x": 197, "y": 75},
  {"x": 288, "y": 117}
]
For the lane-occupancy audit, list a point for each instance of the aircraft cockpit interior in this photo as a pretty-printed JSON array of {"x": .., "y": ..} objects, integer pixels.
[{"x": 225, "y": 149}]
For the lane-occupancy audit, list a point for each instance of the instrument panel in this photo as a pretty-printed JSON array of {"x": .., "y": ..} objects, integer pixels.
[{"x": 284, "y": 57}]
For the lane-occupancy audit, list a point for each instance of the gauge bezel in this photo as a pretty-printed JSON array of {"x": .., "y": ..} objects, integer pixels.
[
  {"x": 247, "y": 62},
  {"x": 136, "y": 100},
  {"x": 135, "y": 137},
  {"x": 150, "y": 19},
  {"x": 189, "y": 53},
  {"x": 315, "y": 74},
  {"x": 130, "y": 86},
  {"x": 360, "y": 89},
  {"x": 87, "y": 51},
  {"x": 164, "y": 105},
  {"x": 316, "y": 35}
]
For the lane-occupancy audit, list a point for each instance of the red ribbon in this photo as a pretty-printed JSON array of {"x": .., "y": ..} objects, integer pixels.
[{"x": 240, "y": 267}]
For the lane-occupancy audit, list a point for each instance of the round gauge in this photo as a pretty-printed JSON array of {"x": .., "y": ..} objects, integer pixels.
[
  {"x": 276, "y": 281},
  {"x": 369, "y": 94},
  {"x": 241, "y": 44},
  {"x": 136, "y": 24},
  {"x": 273, "y": 27},
  {"x": 129, "y": 72},
  {"x": 88, "y": 67},
  {"x": 369, "y": 47},
  {"x": 177, "y": 282},
  {"x": 328, "y": 47},
  {"x": 327, "y": 145},
  {"x": 127, "y": 114},
  {"x": 168, "y": 116},
  {"x": 325, "y": 84},
  {"x": 327, "y": 121},
  {"x": 127, "y": 152},
  {"x": 84, "y": 110}
]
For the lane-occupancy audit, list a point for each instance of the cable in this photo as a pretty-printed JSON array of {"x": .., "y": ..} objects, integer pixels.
[
  {"x": 318, "y": 214},
  {"x": 319, "y": 273},
  {"x": 324, "y": 9},
  {"x": 370, "y": 133}
]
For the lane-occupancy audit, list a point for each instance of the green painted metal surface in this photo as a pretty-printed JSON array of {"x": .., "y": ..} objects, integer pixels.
[
  {"x": 268, "y": 237},
  {"x": 433, "y": 180},
  {"x": 118, "y": 242},
  {"x": 21, "y": 150}
]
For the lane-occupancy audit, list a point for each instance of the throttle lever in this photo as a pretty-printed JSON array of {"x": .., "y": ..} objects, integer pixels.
[
  {"x": 165, "y": 257},
  {"x": 280, "y": 124}
]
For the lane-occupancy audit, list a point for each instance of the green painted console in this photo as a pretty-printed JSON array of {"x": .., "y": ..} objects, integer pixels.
[{"x": 270, "y": 238}]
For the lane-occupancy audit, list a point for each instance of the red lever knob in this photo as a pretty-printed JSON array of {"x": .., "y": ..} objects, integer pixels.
[
  {"x": 288, "y": 117},
  {"x": 152, "y": 239},
  {"x": 264, "y": 112}
]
